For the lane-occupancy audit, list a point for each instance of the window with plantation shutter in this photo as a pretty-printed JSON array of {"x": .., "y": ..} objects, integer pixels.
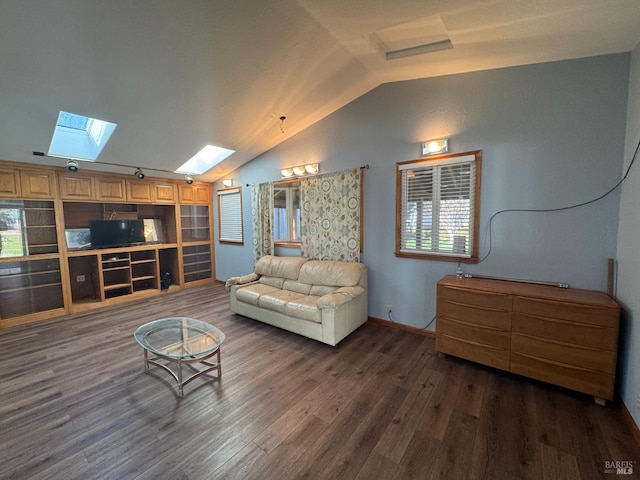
[
  {"x": 230, "y": 215},
  {"x": 437, "y": 207}
]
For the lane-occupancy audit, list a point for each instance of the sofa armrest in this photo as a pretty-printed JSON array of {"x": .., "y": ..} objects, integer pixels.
[
  {"x": 252, "y": 277},
  {"x": 339, "y": 297}
]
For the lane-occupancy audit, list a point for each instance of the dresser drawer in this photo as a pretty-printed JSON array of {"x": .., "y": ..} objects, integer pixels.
[
  {"x": 473, "y": 332},
  {"x": 485, "y": 316},
  {"x": 590, "y": 335},
  {"x": 583, "y": 313},
  {"x": 474, "y": 351},
  {"x": 475, "y": 298},
  {"x": 582, "y": 380},
  {"x": 566, "y": 353}
]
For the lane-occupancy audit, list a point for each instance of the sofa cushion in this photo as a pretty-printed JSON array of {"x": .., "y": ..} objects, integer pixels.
[
  {"x": 328, "y": 272},
  {"x": 320, "y": 290},
  {"x": 339, "y": 297},
  {"x": 295, "y": 286},
  {"x": 285, "y": 267},
  {"x": 304, "y": 308},
  {"x": 251, "y": 293},
  {"x": 277, "y": 300},
  {"x": 276, "y": 282}
]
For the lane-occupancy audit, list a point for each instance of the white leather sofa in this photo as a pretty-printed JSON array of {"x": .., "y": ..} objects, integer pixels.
[{"x": 322, "y": 300}]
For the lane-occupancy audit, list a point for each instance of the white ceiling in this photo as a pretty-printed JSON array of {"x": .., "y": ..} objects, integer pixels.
[{"x": 176, "y": 76}]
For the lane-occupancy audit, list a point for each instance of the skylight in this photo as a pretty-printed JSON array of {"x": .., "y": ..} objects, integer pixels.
[
  {"x": 205, "y": 159},
  {"x": 79, "y": 137}
]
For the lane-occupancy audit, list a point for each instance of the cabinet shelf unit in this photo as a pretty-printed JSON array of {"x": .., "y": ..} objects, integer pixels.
[
  {"x": 195, "y": 226},
  {"x": 116, "y": 274},
  {"x": 29, "y": 287},
  {"x": 194, "y": 220},
  {"x": 30, "y": 276},
  {"x": 144, "y": 270},
  {"x": 47, "y": 264},
  {"x": 196, "y": 262}
]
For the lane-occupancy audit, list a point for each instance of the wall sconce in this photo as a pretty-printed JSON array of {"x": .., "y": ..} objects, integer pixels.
[
  {"x": 228, "y": 182},
  {"x": 431, "y": 147},
  {"x": 300, "y": 170}
]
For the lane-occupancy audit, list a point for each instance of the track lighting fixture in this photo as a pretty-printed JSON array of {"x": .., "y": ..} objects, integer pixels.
[
  {"x": 188, "y": 179},
  {"x": 72, "y": 165},
  {"x": 139, "y": 173}
]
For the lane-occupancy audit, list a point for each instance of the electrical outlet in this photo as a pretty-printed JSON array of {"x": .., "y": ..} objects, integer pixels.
[
  {"x": 638, "y": 402},
  {"x": 388, "y": 308},
  {"x": 80, "y": 278}
]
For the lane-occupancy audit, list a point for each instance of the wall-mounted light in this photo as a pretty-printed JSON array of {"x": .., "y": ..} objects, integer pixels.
[
  {"x": 228, "y": 182},
  {"x": 188, "y": 178},
  {"x": 72, "y": 165},
  {"x": 300, "y": 170},
  {"x": 139, "y": 173},
  {"x": 431, "y": 147}
]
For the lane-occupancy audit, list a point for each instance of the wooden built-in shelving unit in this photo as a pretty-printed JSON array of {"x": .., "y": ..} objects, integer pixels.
[{"x": 41, "y": 277}]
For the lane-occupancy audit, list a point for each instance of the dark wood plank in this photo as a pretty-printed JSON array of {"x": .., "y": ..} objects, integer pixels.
[{"x": 76, "y": 402}]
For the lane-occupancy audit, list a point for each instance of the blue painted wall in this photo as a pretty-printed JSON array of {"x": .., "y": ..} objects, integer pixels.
[
  {"x": 552, "y": 135},
  {"x": 628, "y": 290}
]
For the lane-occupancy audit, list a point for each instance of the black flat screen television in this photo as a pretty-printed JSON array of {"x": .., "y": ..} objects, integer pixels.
[{"x": 116, "y": 233}]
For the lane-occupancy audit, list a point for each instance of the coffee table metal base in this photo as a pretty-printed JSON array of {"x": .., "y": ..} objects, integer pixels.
[{"x": 178, "y": 377}]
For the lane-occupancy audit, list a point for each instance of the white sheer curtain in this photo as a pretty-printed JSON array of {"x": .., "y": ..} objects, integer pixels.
[
  {"x": 262, "y": 212},
  {"x": 330, "y": 216}
]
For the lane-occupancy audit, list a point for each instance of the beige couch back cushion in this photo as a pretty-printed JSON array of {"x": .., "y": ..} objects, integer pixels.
[
  {"x": 326, "y": 272},
  {"x": 284, "y": 267}
]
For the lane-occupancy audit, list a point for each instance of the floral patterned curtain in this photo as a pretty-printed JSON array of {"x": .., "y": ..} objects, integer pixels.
[
  {"x": 330, "y": 216},
  {"x": 262, "y": 212}
]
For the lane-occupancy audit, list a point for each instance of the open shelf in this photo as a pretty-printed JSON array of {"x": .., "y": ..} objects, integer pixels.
[{"x": 116, "y": 274}]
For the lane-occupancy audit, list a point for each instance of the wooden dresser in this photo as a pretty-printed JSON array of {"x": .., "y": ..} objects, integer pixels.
[{"x": 566, "y": 337}]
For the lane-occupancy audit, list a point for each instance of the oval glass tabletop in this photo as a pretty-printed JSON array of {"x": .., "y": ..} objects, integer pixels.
[{"x": 179, "y": 337}]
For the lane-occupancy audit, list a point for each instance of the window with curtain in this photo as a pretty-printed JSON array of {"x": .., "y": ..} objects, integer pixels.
[
  {"x": 230, "y": 215},
  {"x": 437, "y": 203},
  {"x": 331, "y": 216},
  {"x": 262, "y": 219}
]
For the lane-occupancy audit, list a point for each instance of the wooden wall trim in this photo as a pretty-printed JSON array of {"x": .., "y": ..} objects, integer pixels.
[
  {"x": 400, "y": 326},
  {"x": 635, "y": 430}
]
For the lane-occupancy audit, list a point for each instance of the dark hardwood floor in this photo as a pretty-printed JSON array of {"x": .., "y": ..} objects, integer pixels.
[{"x": 76, "y": 403}]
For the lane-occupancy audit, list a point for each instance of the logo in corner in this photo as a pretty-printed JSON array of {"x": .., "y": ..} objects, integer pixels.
[{"x": 619, "y": 467}]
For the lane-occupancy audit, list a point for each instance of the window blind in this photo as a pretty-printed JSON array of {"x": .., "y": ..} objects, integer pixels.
[
  {"x": 230, "y": 215},
  {"x": 437, "y": 201}
]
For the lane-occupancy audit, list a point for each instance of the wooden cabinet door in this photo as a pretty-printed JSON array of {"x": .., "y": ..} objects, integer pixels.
[
  {"x": 9, "y": 183},
  {"x": 150, "y": 192},
  {"x": 76, "y": 187},
  {"x": 39, "y": 184},
  {"x": 112, "y": 190},
  {"x": 195, "y": 194},
  {"x": 139, "y": 192},
  {"x": 163, "y": 193}
]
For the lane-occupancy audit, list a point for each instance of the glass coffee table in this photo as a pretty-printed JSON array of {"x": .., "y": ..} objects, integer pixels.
[{"x": 183, "y": 341}]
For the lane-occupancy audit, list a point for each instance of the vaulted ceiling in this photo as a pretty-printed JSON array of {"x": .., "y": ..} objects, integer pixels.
[{"x": 178, "y": 75}]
